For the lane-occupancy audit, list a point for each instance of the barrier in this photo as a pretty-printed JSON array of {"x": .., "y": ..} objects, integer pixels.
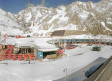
[
  {"x": 31, "y": 56},
  {"x": 19, "y": 57},
  {"x": 104, "y": 73},
  {"x": 8, "y": 55},
  {"x": 26, "y": 56},
  {"x": 14, "y": 57}
]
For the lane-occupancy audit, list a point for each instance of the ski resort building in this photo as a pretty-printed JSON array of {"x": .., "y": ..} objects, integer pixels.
[
  {"x": 63, "y": 38},
  {"x": 67, "y": 33},
  {"x": 69, "y": 37},
  {"x": 31, "y": 46}
]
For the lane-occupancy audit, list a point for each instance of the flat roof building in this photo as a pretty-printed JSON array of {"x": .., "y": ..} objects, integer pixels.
[{"x": 68, "y": 32}]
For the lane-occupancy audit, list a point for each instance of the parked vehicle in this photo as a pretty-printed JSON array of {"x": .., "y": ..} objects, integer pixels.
[{"x": 96, "y": 48}]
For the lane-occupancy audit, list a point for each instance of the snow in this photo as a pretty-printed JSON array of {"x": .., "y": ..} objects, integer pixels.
[
  {"x": 68, "y": 27},
  {"x": 84, "y": 14},
  {"x": 49, "y": 70},
  {"x": 8, "y": 24},
  {"x": 105, "y": 26},
  {"x": 28, "y": 16},
  {"x": 60, "y": 15},
  {"x": 79, "y": 2},
  {"x": 40, "y": 43},
  {"x": 20, "y": 44},
  {"x": 42, "y": 18},
  {"x": 61, "y": 10},
  {"x": 109, "y": 22},
  {"x": 63, "y": 19},
  {"x": 103, "y": 6},
  {"x": 43, "y": 32},
  {"x": 9, "y": 41},
  {"x": 53, "y": 18},
  {"x": 25, "y": 42},
  {"x": 44, "y": 50},
  {"x": 5, "y": 19},
  {"x": 43, "y": 42},
  {"x": 93, "y": 6},
  {"x": 39, "y": 14}
]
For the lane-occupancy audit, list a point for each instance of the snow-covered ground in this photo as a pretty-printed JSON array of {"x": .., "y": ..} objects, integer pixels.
[{"x": 49, "y": 70}]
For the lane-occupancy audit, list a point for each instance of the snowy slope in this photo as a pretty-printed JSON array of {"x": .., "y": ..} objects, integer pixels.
[
  {"x": 8, "y": 23},
  {"x": 76, "y": 16}
]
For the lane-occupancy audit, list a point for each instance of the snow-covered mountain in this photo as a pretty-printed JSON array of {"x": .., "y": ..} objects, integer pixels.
[
  {"x": 9, "y": 24},
  {"x": 93, "y": 17}
]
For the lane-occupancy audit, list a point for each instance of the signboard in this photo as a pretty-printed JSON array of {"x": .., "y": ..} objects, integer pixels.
[{"x": 40, "y": 55}]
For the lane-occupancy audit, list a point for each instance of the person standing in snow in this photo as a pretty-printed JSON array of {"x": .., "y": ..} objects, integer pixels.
[
  {"x": 29, "y": 61},
  {"x": 59, "y": 52}
]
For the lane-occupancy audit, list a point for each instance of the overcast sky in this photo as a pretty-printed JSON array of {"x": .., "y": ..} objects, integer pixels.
[{"x": 14, "y": 6}]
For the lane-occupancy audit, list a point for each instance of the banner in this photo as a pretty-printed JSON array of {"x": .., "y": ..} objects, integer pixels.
[{"x": 40, "y": 55}]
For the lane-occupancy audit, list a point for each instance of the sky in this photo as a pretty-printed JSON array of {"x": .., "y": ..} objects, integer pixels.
[{"x": 15, "y": 6}]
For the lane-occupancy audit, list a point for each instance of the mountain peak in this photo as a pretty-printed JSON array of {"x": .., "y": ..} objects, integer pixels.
[{"x": 93, "y": 17}]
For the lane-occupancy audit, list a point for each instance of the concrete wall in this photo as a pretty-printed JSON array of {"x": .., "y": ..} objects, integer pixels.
[
  {"x": 107, "y": 73},
  {"x": 104, "y": 73}
]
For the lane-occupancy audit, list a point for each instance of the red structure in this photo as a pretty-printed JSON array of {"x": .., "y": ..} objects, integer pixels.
[{"x": 19, "y": 36}]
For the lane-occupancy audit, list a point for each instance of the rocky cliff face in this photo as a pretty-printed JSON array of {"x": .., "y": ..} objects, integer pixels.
[{"x": 93, "y": 17}]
